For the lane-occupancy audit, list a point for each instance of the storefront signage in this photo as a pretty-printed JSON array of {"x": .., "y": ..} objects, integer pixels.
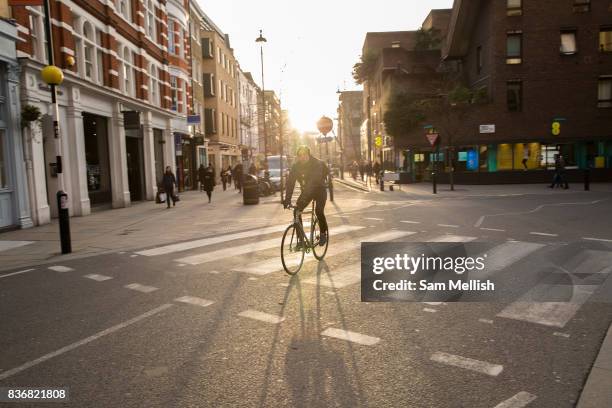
[
  {"x": 193, "y": 119},
  {"x": 487, "y": 128},
  {"x": 472, "y": 160}
]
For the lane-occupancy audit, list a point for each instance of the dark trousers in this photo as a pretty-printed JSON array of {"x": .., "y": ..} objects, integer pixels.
[
  {"x": 170, "y": 196},
  {"x": 320, "y": 198},
  {"x": 209, "y": 194}
]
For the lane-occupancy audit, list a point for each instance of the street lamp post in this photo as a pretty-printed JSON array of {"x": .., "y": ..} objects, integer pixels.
[
  {"x": 54, "y": 76},
  {"x": 261, "y": 40}
]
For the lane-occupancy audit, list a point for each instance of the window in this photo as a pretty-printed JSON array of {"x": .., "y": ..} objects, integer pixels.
[
  {"x": 134, "y": 90},
  {"x": 37, "y": 34},
  {"x": 174, "y": 93},
  {"x": 605, "y": 39},
  {"x": 99, "y": 57},
  {"x": 513, "y": 48},
  {"x": 123, "y": 7},
  {"x": 210, "y": 121},
  {"x": 582, "y": 6},
  {"x": 514, "y": 7},
  {"x": 171, "y": 39},
  {"x": 515, "y": 96},
  {"x": 568, "y": 42},
  {"x": 126, "y": 71},
  {"x": 154, "y": 85},
  {"x": 209, "y": 84},
  {"x": 34, "y": 36},
  {"x": 207, "y": 48},
  {"x": 478, "y": 59},
  {"x": 150, "y": 21},
  {"x": 604, "y": 92}
]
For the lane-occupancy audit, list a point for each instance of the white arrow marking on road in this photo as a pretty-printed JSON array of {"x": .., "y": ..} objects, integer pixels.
[
  {"x": 520, "y": 400},
  {"x": 16, "y": 273},
  {"x": 184, "y": 246},
  {"x": 59, "y": 268},
  {"x": 98, "y": 278},
  {"x": 232, "y": 252},
  {"x": 261, "y": 316},
  {"x": 350, "y": 336},
  {"x": 140, "y": 288},
  {"x": 467, "y": 363},
  {"x": 9, "y": 373},
  {"x": 192, "y": 300}
]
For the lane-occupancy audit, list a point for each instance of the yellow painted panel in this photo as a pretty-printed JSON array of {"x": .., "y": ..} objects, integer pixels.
[{"x": 504, "y": 157}]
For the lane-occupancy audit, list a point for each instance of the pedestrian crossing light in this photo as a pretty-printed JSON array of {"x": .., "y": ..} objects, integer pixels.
[{"x": 556, "y": 128}]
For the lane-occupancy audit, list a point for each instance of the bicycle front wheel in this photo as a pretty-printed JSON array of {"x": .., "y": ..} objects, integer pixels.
[
  {"x": 292, "y": 251},
  {"x": 317, "y": 250}
]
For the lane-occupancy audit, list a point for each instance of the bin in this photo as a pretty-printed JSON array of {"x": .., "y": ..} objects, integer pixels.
[{"x": 250, "y": 190}]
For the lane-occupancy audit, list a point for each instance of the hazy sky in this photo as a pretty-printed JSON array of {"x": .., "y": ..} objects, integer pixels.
[{"x": 312, "y": 45}]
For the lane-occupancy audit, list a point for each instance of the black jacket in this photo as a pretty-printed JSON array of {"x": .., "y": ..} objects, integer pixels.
[
  {"x": 168, "y": 182},
  {"x": 311, "y": 175}
]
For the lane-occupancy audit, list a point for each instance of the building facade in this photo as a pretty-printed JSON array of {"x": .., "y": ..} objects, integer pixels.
[
  {"x": 122, "y": 105},
  {"x": 350, "y": 118},
  {"x": 249, "y": 116},
  {"x": 270, "y": 136}
]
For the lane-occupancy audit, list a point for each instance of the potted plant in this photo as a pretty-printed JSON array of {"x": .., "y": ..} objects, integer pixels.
[{"x": 29, "y": 114}]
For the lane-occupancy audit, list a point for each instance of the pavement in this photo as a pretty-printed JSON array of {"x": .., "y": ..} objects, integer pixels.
[{"x": 188, "y": 307}]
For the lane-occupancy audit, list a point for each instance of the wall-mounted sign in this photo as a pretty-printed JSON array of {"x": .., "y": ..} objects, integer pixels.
[
  {"x": 193, "y": 119},
  {"x": 487, "y": 128}
]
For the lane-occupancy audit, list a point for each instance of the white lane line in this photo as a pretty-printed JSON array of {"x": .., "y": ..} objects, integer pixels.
[
  {"x": 506, "y": 254},
  {"x": 559, "y": 334},
  {"x": 544, "y": 234},
  {"x": 16, "y": 273},
  {"x": 261, "y": 316},
  {"x": 192, "y": 300},
  {"x": 467, "y": 363},
  {"x": 487, "y": 321},
  {"x": 448, "y": 225},
  {"x": 596, "y": 239},
  {"x": 6, "y": 245},
  {"x": 350, "y": 336},
  {"x": 59, "y": 268},
  {"x": 199, "y": 243},
  {"x": 16, "y": 370},
  {"x": 520, "y": 400},
  {"x": 553, "y": 314},
  {"x": 233, "y": 252},
  {"x": 411, "y": 222},
  {"x": 141, "y": 288},
  {"x": 373, "y": 219},
  {"x": 451, "y": 238},
  {"x": 493, "y": 229},
  {"x": 434, "y": 303},
  {"x": 429, "y": 310},
  {"x": 96, "y": 277}
]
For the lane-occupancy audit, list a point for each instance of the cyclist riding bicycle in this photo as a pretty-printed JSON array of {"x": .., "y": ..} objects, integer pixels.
[{"x": 312, "y": 174}]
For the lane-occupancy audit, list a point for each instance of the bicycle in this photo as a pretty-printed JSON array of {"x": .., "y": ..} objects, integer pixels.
[{"x": 296, "y": 243}]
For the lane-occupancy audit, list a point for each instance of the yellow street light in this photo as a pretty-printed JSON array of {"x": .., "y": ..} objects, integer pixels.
[{"x": 52, "y": 75}]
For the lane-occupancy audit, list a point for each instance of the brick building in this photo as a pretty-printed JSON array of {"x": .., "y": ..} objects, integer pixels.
[
  {"x": 350, "y": 117},
  {"x": 249, "y": 117},
  {"x": 122, "y": 104},
  {"x": 269, "y": 138}
]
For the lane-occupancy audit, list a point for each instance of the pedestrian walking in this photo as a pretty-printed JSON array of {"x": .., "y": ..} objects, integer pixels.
[
  {"x": 201, "y": 172},
  {"x": 238, "y": 175},
  {"x": 229, "y": 174},
  {"x": 354, "y": 170},
  {"x": 559, "y": 179},
  {"x": 376, "y": 170},
  {"x": 168, "y": 183},
  {"x": 224, "y": 178},
  {"x": 207, "y": 178},
  {"x": 362, "y": 170},
  {"x": 253, "y": 169},
  {"x": 525, "y": 156}
]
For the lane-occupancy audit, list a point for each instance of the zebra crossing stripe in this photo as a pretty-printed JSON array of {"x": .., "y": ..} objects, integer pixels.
[
  {"x": 452, "y": 238},
  {"x": 346, "y": 276},
  {"x": 232, "y": 252},
  {"x": 467, "y": 363},
  {"x": 274, "y": 264},
  {"x": 140, "y": 288},
  {"x": 261, "y": 316},
  {"x": 61, "y": 269},
  {"x": 350, "y": 336},
  {"x": 192, "y": 300},
  {"x": 520, "y": 400},
  {"x": 97, "y": 278},
  {"x": 504, "y": 255}
]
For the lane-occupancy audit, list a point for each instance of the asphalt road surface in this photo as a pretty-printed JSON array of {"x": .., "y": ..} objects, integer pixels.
[{"x": 215, "y": 322}]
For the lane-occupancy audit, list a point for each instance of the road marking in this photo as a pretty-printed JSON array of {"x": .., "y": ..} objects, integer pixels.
[
  {"x": 487, "y": 321},
  {"x": 214, "y": 272},
  {"x": 506, "y": 254},
  {"x": 96, "y": 277},
  {"x": 448, "y": 225},
  {"x": 597, "y": 239},
  {"x": 544, "y": 234},
  {"x": 559, "y": 334},
  {"x": 140, "y": 288},
  {"x": 233, "y": 252},
  {"x": 16, "y": 273},
  {"x": 261, "y": 316},
  {"x": 284, "y": 285},
  {"x": 429, "y": 310},
  {"x": 452, "y": 238},
  {"x": 520, "y": 400},
  {"x": 6, "y": 245},
  {"x": 411, "y": 222},
  {"x": 133, "y": 256},
  {"x": 252, "y": 279},
  {"x": 181, "y": 265},
  {"x": 434, "y": 303},
  {"x": 350, "y": 336},
  {"x": 192, "y": 300},
  {"x": 493, "y": 229},
  {"x": 199, "y": 243},
  {"x": 373, "y": 219},
  {"x": 467, "y": 363},
  {"x": 59, "y": 268},
  {"x": 6, "y": 374},
  {"x": 553, "y": 314}
]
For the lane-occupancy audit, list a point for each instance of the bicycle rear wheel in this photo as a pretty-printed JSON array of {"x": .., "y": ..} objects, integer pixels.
[
  {"x": 317, "y": 250},
  {"x": 292, "y": 256}
]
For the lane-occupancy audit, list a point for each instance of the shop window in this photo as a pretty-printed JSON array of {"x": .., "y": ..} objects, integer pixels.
[
  {"x": 514, "y": 96},
  {"x": 504, "y": 156},
  {"x": 582, "y": 6},
  {"x": 604, "y": 92},
  {"x": 605, "y": 39},
  {"x": 568, "y": 42},
  {"x": 514, "y": 7},
  {"x": 514, "y": 48},
  {"x": 483, "y": 158}
]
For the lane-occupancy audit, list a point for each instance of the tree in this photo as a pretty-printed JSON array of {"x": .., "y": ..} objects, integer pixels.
[
  {"x": 403, "y": 113},
  {"x": 364, "y": 69},
  {"x": 428, "y": 39}
]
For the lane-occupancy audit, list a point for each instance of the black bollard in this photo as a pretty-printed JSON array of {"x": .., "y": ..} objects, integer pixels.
[
  {"x": 587, "y": 180},
  {"x": 64, "y": 222},
  {"x": 382, "y": 182}
]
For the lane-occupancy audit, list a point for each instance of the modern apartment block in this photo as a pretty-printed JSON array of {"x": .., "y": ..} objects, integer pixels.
[
  {"x": 123, "y": 103},
  {"x": 350, "y": 118},
  {"x": 249, "y": 115}
]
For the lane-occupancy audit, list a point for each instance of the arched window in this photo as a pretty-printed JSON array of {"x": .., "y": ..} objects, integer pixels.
[{"x": 88, "y": 50}]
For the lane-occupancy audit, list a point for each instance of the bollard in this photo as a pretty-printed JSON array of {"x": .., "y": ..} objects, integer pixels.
[
  {"x": 382, "y": 182},
  {"x": 64, "y": 222},
  {"x": 587, "y": 180}
]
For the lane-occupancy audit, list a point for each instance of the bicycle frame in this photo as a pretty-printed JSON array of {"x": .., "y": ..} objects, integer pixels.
[{"x": 297, "y": 221}]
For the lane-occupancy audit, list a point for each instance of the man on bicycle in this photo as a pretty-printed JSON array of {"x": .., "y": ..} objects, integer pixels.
[{"x": 312, "y": 174}]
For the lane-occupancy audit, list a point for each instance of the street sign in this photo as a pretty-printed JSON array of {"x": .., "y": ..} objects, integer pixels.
[
  {"x": 325, "y": 125},
  {"x": 433, "y": 138},
  {"x": 487, "y": 128}
]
